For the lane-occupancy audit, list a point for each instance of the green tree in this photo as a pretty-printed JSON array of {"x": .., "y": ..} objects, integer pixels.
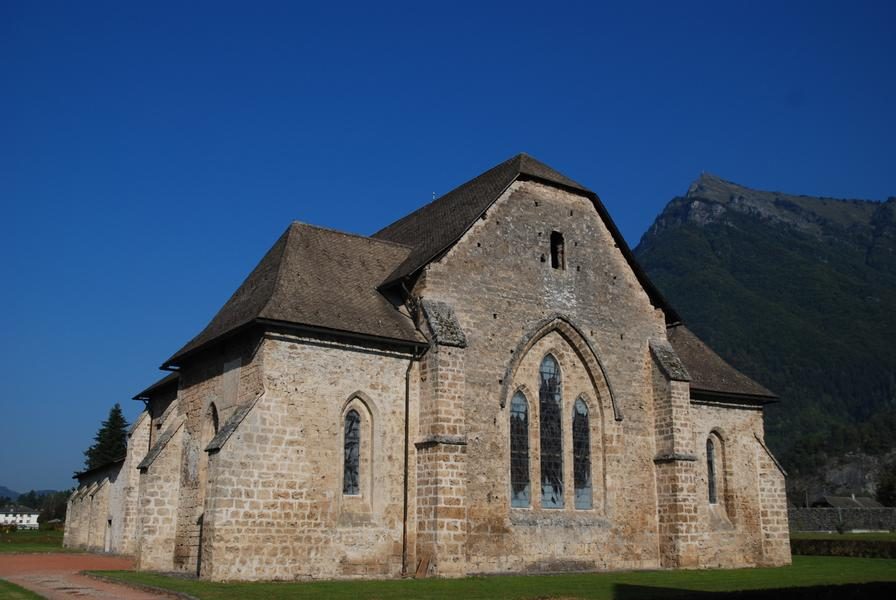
[
  {"x": 53, "y": 506},
  {"x": 30, "y": 499},
  {"x": 110, "y": 442}
]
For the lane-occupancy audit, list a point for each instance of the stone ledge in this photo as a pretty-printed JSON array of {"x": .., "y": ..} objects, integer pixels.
[
  {"x": 232, "y": 423},
  {"x": 443, "y": 324},
  {"x": 669, "y": 362},
  {"x": 160, "y": 444},
  {"x": 561, "y": 518},
  {"x": 441, "y": 440},
  {"x": 674, "y": 457}
]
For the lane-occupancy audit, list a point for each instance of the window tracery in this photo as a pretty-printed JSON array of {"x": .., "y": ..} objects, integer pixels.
[
  {"x": 520, "y": 486},
  {"x": 352, "y": 454},
  {"x": 711, "y": 470},
  {"x": 550, "y": 403},
  {"x": 581, "y": 455}
]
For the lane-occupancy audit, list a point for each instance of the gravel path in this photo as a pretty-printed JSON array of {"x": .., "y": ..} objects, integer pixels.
[{"x": 55, "y": 576}]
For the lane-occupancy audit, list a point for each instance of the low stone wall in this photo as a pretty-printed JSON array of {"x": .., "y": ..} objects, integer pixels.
[
  {"x": 842, "y": 519},
  {"x": 854, "y": 548}
]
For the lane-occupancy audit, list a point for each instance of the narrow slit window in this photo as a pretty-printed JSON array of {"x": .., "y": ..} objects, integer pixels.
[
  {"x": 350, "y": 478},
  {"x": 711, "y": 470},
  {"x": 520, "y": 488},
  {"x": 581, "y": 454},
  {"x": 214, "y": 419},
  {"x": 550, "y": 404},
  {"x": 558, "y": 260}
]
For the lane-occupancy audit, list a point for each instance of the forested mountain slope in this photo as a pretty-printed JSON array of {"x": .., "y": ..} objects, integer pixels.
[{"x": 800, "y": 294}]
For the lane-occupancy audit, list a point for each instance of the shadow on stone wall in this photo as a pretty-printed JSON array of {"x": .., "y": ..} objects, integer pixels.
[{"x": 823, "y": 592}]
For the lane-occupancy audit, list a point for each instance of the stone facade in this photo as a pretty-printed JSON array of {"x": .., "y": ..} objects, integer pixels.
[
  {"x": 103, "y": 513},
  {"x": 244, "y": 478}
]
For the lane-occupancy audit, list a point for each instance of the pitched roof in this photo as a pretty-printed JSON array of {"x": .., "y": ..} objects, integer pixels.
[
  {"x": 709, "y": 372},
  {"x": 106, "y": 465},
  {"x": 319, "y": 278},
  {"x": 163, "y": 383},
  {"x": 434, "y": 228}
]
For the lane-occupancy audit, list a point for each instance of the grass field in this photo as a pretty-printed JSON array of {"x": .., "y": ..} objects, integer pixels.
[
  {"x": 31, "y": 541},
  {"x": 883, "y": 536},
  {"x": 10, "y": 591},
  {"x": 806, "y": 572}
]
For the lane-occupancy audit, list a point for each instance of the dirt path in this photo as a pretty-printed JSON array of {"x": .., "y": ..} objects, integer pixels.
[{"x": 55, "y": 576}]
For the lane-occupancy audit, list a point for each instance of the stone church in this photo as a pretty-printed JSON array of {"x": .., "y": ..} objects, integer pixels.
[{"x": 490, "y": 384}]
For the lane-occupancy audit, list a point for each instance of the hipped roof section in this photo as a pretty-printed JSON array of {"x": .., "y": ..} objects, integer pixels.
[
  {"x": 330, "y": 280},
  {"x": 432, "y": 229},
  {"x": 319, "y": 278},
  {"x": 710, "y": 373}
]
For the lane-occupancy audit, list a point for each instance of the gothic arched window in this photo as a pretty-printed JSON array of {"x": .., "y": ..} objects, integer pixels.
[
  {"x": 711, "y": 470},
  {"x": 581, "y": 454},
  {"x": 351, "y": 481},
  {"x": 550, "y": 409},
  {"x": 520, "y": 488}
]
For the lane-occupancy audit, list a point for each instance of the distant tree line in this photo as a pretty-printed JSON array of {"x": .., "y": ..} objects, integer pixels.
[{"x": 51, "y": 505}]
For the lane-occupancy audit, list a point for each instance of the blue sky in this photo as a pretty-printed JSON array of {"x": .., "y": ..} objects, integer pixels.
[{"x": 150, "y": 153}]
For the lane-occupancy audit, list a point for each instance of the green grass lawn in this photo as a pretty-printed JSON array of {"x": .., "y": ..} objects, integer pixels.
[
  {"x": 10, "y": 591},
  {"x": 31, "y": 541},
  {"x": 882, "y": 536},
  {"x": 806, "y": 571}
]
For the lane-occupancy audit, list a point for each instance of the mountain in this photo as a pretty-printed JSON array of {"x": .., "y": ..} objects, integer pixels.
[
  {"x": 5, "y": 492},
  {"x": 800, "y": 294}
]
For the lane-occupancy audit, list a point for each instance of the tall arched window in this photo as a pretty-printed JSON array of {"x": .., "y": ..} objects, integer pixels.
[
  {"x": 711, "y": 470},
  {"x": 520, "y": 488},
  {"x": 550, "y": 408},
  {"x": 351, "y": 481},
  {"x": 581, "y": 454}
]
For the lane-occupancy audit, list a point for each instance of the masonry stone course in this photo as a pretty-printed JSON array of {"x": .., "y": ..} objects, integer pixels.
[{"x": 241, "y": 466}]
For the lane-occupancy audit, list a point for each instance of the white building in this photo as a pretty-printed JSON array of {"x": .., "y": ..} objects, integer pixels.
[{"x": 20, "y": 516}]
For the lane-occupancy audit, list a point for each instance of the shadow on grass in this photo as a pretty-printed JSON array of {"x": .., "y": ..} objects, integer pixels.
[{"x": 821, "y": 592}]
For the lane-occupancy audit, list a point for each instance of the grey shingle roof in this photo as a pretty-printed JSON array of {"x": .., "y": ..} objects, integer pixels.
[
  {"x": 709, "y": 372},
  {"x": 329, "y": 280},
  {"x": 434, "y": 228},
  {"x": 319, "y": 278},
  {"x": 81, "y": 474},
  {"x": 163, "y": 383}
]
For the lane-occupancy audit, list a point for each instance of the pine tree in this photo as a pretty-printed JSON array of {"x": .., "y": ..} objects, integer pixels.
[{"x": 110, "y": 442}]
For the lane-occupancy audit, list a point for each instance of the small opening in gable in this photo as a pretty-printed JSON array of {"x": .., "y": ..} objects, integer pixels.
[{"x": 558, "y": 260}]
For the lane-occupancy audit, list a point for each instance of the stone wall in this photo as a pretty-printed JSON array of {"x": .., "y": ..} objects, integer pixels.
[
  {"x": 514, "y": 307},
  {"x": 158, "y": 500},
  {"x": 286, "y": 517},
  {"x": 748, "y": 524},
  {"x": 102, "y": 511},
  {"x": 225, "y": 377},
  {"x": 842, "y": 519},
  {"x": 267, "y": 502},
  {"x": 104, "y": 506}
]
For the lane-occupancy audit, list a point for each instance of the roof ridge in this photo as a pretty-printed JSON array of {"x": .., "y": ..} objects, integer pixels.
[
  {"x": 456, "y": 188},
  {"x": 350, "y": 234}
]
